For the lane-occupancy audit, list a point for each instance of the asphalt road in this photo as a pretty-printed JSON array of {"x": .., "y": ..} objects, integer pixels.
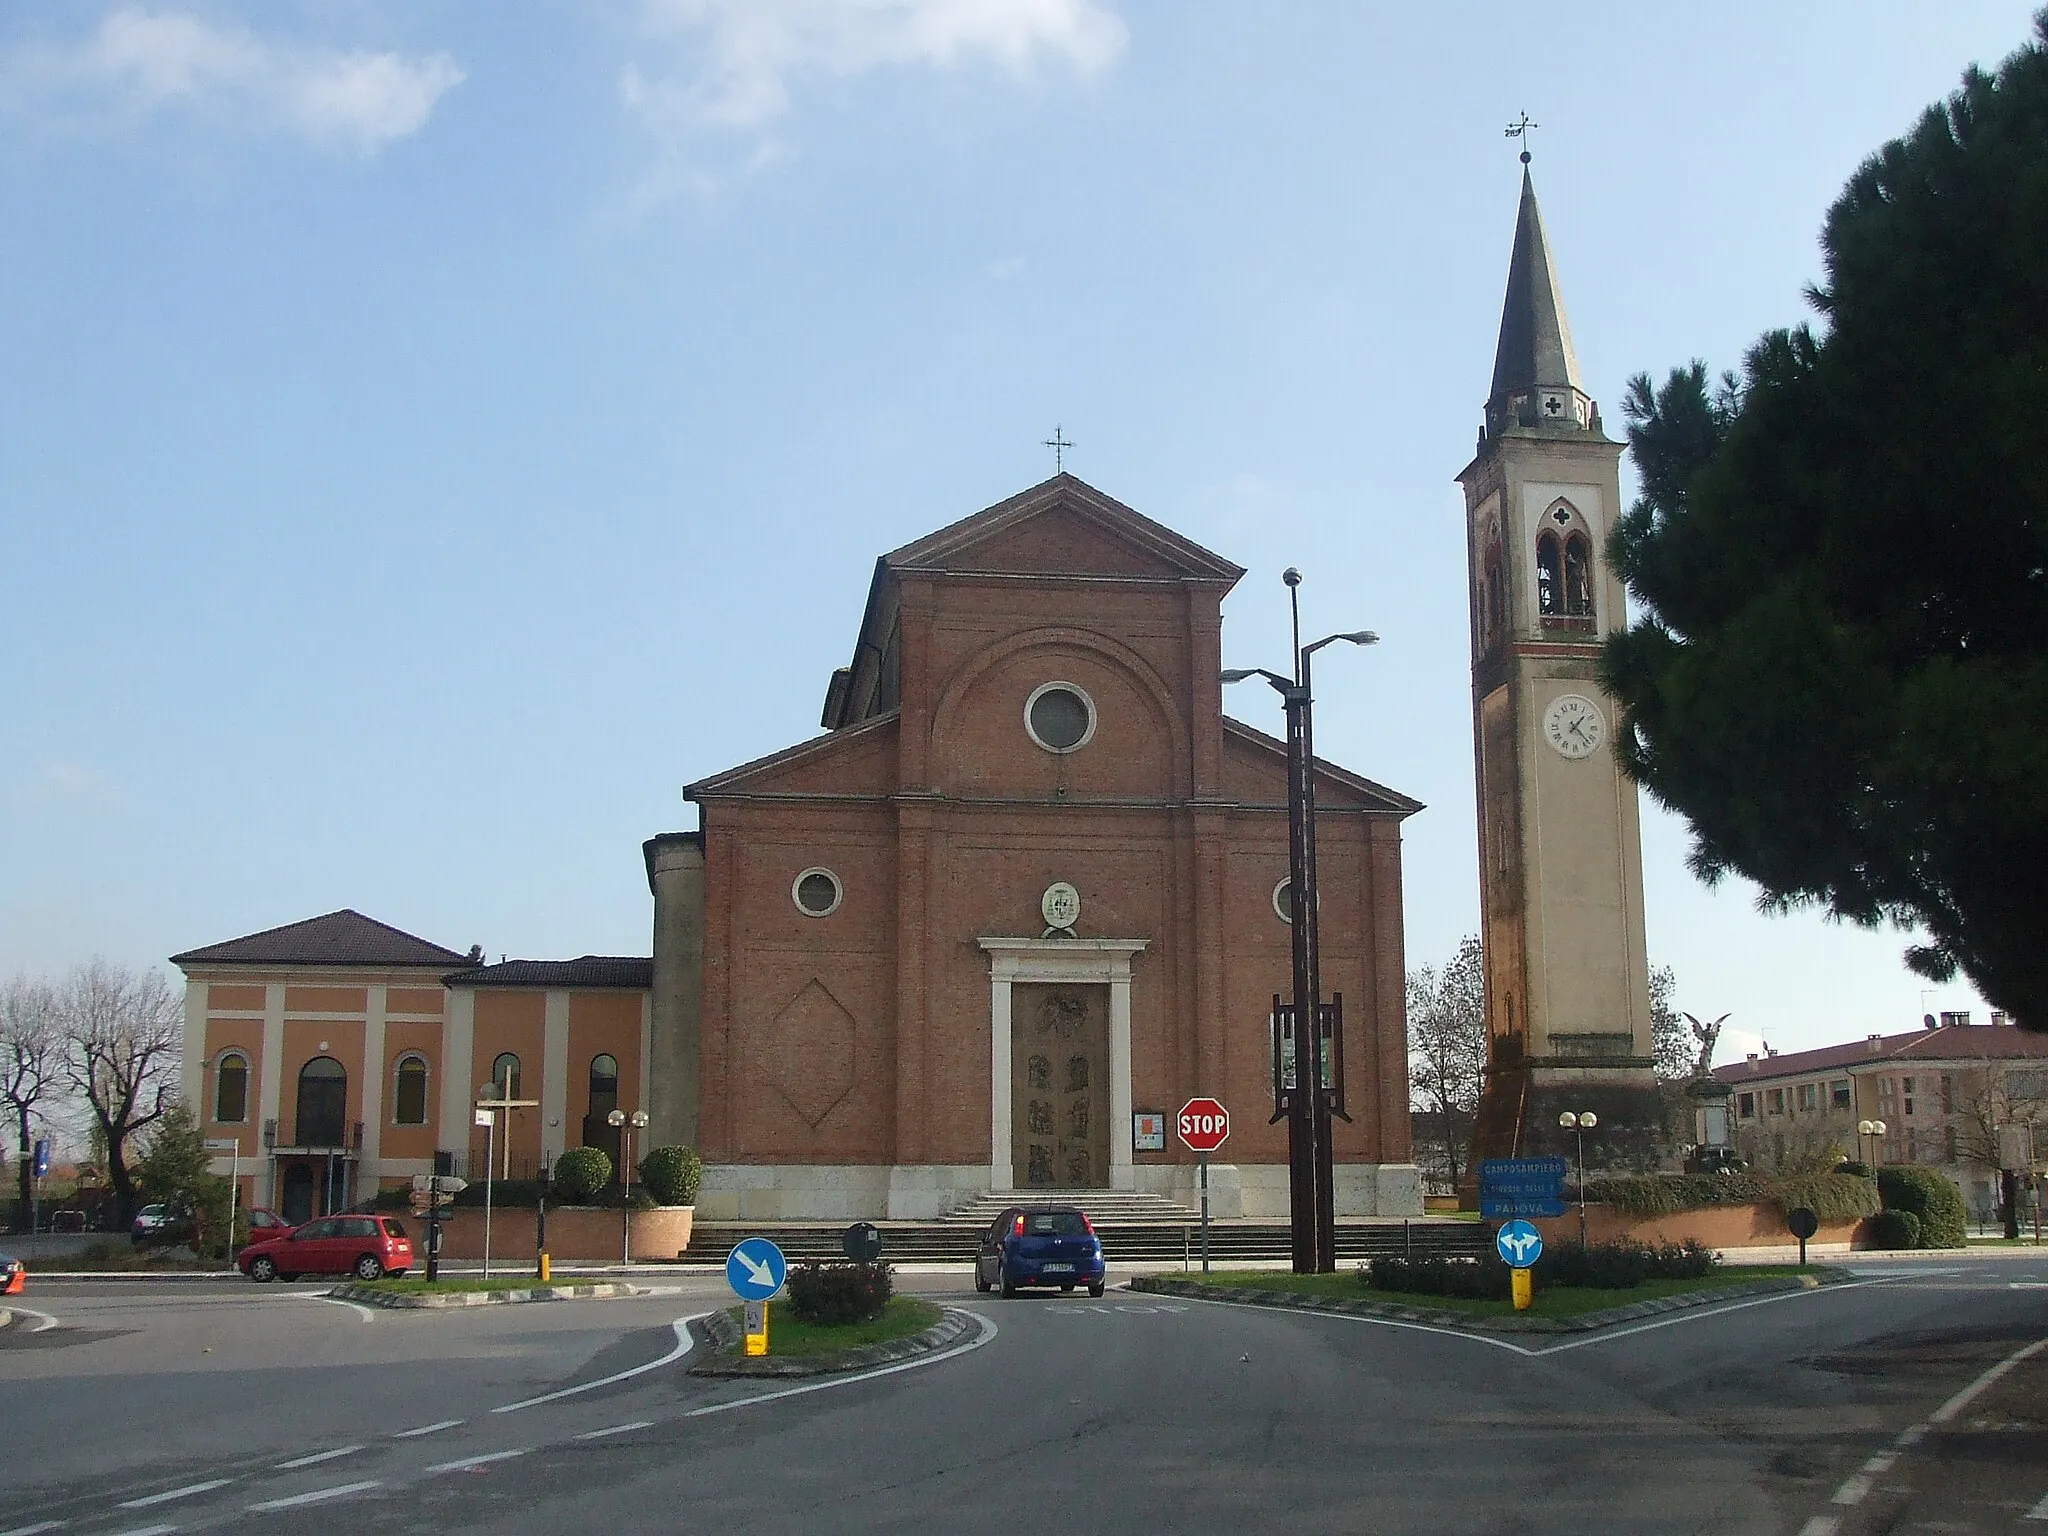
[{"x": 166, "y": 1407}]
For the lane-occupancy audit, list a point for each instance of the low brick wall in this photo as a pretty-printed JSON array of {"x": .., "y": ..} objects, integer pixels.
[
  {"x": 1716, "y": 1226},
  {"x": 575, "y": 1232}
]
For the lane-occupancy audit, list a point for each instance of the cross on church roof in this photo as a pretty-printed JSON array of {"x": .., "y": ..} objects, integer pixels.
[
  {"x": 1520, "y": 130},
  {"x": 1059, "y": 443}
]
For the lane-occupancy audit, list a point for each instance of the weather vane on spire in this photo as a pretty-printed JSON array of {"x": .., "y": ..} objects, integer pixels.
[
  {"x": 1521, "y": 131},
  {"x": 1059, "y": 443}
]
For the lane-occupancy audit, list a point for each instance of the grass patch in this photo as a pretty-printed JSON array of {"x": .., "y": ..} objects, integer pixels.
[
  {"x": 788, "y": 1338},
  {"x": 418, "y": 1284},
  {"x": 1556, "y": 1301}
]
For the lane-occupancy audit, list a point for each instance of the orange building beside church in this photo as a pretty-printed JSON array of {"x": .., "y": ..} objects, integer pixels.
[{"x": 1030, "y": 883}]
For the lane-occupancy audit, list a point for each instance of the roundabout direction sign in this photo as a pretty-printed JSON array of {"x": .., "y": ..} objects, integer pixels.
[
  {"x": 755, "y": 1269},
  {"x": 1520, "y": 1245}
]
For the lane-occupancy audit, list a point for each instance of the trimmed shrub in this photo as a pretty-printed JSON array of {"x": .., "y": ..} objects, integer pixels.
[
  {"x": 580, "y": 1173},
  {"x": 840, "y": 1292},
  {"x": 506, "y": 1194},
  {"x": 1830, "y": 1196},
  {"x": 672, "y": 1174},
  {"x": 1594, "y": 1266},
  {"x": 1854, "y": 1169},
  {"x": 1833, "y": 1197},
  {"x": 1896, "y": 1229},
  {"x": 1935, "y": 1198}
]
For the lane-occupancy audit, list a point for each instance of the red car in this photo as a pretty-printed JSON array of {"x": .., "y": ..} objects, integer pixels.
[{"x": 368, "y": 1247}]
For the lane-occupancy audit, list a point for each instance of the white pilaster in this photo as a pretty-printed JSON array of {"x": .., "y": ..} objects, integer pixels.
[
  {"x": 270, "y": 1096},
  {"x": 554, "y": 1073},
  {"x": 1120, "y": 1174},
  {"x": 458, "y": 1046},
  {"x": 373, "y": 1085},
  {"x": 194, "y": 1080},
  {"x": 1001, "y": 1173}
]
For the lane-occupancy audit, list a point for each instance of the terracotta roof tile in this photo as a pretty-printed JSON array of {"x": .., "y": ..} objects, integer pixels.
[{"x": 337, "y": 938}]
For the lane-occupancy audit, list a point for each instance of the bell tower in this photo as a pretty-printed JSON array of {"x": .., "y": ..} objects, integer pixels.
[{"x": 1561, "y": 883}]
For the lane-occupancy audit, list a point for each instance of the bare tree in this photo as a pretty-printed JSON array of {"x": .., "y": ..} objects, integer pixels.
[
  {"x": 1447, "y": 1052},
  {"x": 123, "y": 1033},
  {"x": 31, "y": 1064}
]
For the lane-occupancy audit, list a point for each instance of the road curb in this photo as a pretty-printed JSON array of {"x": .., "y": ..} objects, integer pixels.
[
  {"x": 724, "y": 1335},
  {"x": 1465, "y": 1322},
  {"x": 369, "y": 1296}
]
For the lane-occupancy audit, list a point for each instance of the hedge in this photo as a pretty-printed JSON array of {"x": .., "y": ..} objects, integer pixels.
[
  {"x": 1833, "y": 1197},
  {"x": 1597, "y": 1266},
  {"x": 1896, "y": 1229},
  {"x": 581, "y": 1172},
  {"x": 840, "y": 1292},
  {"x": 1935, "y": 1199},
  {"x": 672, "y": 1174}
]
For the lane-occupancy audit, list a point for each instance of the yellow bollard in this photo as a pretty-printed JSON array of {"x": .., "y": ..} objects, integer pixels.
[
  {"x": 545, "y": 1272},
  {"x": 757, "y": 1328},
  {"x": 1524, "y": 1290}
]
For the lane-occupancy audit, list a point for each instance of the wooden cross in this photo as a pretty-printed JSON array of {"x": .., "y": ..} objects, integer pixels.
[{"x": 1059, "y": 443}]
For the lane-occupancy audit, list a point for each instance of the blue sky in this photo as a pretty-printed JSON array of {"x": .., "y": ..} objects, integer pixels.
[{"x": 432, "y": 434}]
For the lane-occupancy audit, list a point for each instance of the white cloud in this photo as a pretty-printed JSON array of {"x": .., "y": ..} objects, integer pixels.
[
  {"x": 137, "y": 62},
  {"x": 740, "y": 63}
]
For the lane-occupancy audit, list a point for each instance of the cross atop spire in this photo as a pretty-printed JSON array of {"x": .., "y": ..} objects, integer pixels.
[
  {"x": 1059, "y": 443},
  {"x": 1520, "y": 130},
  {"x": 1536, "y": 379}
]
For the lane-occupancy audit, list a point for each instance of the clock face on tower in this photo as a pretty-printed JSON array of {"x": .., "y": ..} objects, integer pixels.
[{"x": 1574, "y": 725}]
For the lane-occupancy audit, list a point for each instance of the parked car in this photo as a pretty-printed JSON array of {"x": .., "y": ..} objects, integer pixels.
[
  {"x": 368, "y": 1247},
  {"x": 13, "y": 1275},
  {"x": 265, "y": 1224},
  {"x": 1040, "y": 1246},
  {"x": 157, "y": 1223}
]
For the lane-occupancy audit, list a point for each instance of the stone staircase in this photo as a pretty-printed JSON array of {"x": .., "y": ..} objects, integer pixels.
[{"x": 1105, "y": 1207}]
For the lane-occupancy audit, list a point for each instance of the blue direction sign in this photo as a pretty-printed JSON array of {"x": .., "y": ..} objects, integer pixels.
[
  {"x": 755, "y": 1269},
  {"x": 1520, "y": 1244},
  {"x": 1516, "y": 1187}
]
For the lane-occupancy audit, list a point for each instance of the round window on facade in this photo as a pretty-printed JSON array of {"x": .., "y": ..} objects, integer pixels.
[
  {"x": 816, "y": 892},
  {"x": 1059, "y": 717},
  {"x": 1283, "y": 900}
]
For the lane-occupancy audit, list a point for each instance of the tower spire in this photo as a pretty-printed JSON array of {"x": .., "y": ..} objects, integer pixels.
[{"x": 1536, "y": 379}]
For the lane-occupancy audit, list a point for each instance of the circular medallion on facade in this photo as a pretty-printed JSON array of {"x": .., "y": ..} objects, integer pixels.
[
  {"x": 1574, "y": 725},
  {"x": 1061, "y": 905}
]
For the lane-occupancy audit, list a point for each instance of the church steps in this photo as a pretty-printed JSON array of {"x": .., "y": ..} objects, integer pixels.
[{"x": 938, "y": 1242}]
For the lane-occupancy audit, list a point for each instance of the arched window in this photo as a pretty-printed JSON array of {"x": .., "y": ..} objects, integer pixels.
[
  {"x": 1549, "y": 575},
  {"x": 1578, "y": 576},
  {"x": 231, "y": 1089},
  {"x": 323, "y": 1103},
  {"x": 505, "y": 1075},
  {"x": 604, "y": 1098},
  {"x": 409, "y": 1092},
  {"x": 1493, "y": 594}
]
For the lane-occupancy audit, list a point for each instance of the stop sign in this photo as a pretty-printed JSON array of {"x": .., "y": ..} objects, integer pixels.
[{"x": 1204, "y": 1125}]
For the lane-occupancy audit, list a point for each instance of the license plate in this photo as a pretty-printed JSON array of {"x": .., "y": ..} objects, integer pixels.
[{"x": 1056, "y": 1269}]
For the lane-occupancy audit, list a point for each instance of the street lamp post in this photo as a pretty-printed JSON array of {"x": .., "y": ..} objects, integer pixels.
[
  {"x": 1578, "y": 1124},
  {"x": 627, "y": 1125},
  {"x": 1311, "y": 1171}
]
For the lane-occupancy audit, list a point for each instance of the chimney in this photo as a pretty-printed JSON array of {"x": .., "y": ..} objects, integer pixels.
[
  {"x": 1752, "y": 1061},
  {"x": 1998, "y": 1019},
  {"x": 1876, "y": 1043},
  {"x": 1955, "y": 1020}
]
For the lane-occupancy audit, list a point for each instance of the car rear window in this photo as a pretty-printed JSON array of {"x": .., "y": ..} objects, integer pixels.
[
  {"x": 394, "y": 1228},
  {"x": 1055, "y": 1224},
  {"x": 357, "y": 1226}
]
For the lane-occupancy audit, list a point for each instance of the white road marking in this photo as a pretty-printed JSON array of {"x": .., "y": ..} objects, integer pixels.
[
  {"x": 44, "y": 1322},
  {"x": 1697, "y": 1315},
  {"x": 427, "y": 1429},
  {"x": 1820, "y": 1525},
  {"x": 175, "y": 1493},
  {"x": 1851, "y": 1493},
  {"x": 367, "y": 1314},
  {"x": 148, "y": 1530},
  {"x": 682, "y": 1328},
  {"x": 2038, "y": 1512},
  {"x": 313, "y": 1460},
  {"x": 616, "y": 1429},
  {"x": 319, "y": 1495},
  {"x": 988, "y": 1331},
  {"x": 476, "y": 1461},
  {"x": 1969, "y": 1394},
  {"x": 57, "y": 1525}
]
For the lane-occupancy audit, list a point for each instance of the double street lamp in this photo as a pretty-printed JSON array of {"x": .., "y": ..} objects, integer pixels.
[
  {"x": 626, "y": 1125},
  {"x": 1310, "y": 1166},
  {"x": 1874, "y": 1131},
  {"x": 1580, "y": 1123}
]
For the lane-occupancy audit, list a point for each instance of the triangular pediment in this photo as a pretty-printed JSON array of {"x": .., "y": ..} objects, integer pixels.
[{"x": 1064, "y": 527}]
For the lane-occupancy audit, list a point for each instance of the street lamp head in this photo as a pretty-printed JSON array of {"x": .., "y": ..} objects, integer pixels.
[
  {"x": 1291, "y": 576},
  {"x": 639, "y": 1119},
  {"x": 1862, "y": 1127},
  {"x": 1587, "y": 1120},
  {"x": 1877, "y": 1127},
  {"x": 1568, "y": 1120},
  {"x": 616, "y": 1117},
  {"x": 1361, "y": 637},
  {"x": 1239, "y": 674}
]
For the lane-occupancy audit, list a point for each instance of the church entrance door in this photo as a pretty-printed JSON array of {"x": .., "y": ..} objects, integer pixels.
[{"x": 1059, "y": 1098}]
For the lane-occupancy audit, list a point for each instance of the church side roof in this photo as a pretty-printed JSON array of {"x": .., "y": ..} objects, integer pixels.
[
  {"x": 621, "y": 972},
  {"x": 1380, "y": 798},
  {"x": 335, "y": 938},
  {"x": 732, "y": 779},
  {"x": 1535, "y": 339}
]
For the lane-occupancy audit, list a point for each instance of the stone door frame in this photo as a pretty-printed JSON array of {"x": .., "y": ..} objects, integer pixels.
[{"x": 1060, "y": 960}]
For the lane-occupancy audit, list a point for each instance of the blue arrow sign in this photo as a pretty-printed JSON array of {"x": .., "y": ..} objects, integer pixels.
[
  {"x": 755, "y": 1269},
  {"x": 1520, "y": 1244}
]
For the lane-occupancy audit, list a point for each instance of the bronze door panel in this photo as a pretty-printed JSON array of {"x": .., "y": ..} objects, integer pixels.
[{"x": 1059, "y": 1085}]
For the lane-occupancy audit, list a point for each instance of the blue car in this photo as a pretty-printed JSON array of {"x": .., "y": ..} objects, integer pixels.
[{"x": 1039, "y": 1245}]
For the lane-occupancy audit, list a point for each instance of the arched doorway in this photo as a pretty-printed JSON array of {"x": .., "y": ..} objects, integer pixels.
[
  {"x": 323, "y": 1104},
  {"x": 604, "y": 1098}
]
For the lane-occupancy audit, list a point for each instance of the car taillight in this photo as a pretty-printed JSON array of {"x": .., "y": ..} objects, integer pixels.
[{"x": 1018, "y": 1229}]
